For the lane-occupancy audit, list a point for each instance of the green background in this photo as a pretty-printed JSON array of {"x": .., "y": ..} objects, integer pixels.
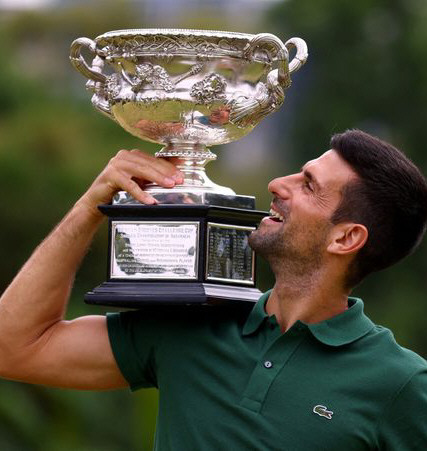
[{"x": 367, "y": 69}]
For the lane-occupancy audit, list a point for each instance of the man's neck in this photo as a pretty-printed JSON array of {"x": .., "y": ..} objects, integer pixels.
[{"x": 308, "y": 301}]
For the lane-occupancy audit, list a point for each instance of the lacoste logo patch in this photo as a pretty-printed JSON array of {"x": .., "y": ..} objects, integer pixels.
[{"x": 323, "y": 411}]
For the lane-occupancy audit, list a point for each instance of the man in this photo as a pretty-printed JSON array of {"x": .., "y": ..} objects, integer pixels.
[{"x": 305, "y": 369}]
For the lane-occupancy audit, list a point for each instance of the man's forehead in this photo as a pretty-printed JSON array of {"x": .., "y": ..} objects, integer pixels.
[
  {"x": 330, "y": 167},
  {"x": 330, "y": 156}
]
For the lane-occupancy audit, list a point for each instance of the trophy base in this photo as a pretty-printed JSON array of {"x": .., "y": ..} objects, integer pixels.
[
  {"x": 179, "y": 196},
  {"x": 178, "y": 255},
  {"x": 137, "y": 295}
]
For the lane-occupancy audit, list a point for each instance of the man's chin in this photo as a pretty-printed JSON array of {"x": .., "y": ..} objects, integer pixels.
[
  {"x": 268, "y": 227},
  {"x": 263, "y": 242},
  {"x": 252, "y": 239}
]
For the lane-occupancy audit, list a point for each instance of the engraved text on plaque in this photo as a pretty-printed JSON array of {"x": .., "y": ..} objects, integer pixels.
[
  {"x": 154, "y": 250},
  {"x": 230, "y": 257}
]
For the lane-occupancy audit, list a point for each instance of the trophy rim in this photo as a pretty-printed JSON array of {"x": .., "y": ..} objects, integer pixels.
[{"x": 174, "y": 32}]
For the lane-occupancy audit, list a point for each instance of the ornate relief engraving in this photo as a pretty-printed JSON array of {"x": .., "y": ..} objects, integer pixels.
[
  {"x": 193, "y": 71},
  {"x": 164, "y": 46},
  {"x": 268, "y": 98},
  {"x": 211, "y": 88},
  {"x": 112, "y": 87},
  {"x": 152, "y": 75}
]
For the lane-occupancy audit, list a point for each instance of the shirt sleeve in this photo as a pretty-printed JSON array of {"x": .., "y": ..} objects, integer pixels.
[
  {"x": 134, "y": 340},
  {"x": 404, "y": 423}
]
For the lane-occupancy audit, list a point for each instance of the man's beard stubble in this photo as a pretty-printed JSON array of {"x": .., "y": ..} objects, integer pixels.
[{"x": 293, "y": 248}]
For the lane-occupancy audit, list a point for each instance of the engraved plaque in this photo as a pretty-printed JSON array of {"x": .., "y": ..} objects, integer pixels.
[
  {"x": 230, "y": 258},
  {"x": 154, "y": 250}
]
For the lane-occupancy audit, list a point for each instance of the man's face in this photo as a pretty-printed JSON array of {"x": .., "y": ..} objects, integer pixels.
[{"x": 299, "y": 226}]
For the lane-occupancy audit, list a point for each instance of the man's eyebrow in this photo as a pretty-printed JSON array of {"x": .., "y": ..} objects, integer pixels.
[{"x": 310, "y": 176}]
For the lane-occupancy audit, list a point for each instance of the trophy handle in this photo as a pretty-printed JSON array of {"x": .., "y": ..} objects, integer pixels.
[
  {"x": 300, "y": 57},
  {"x": 97, "y": 79},
  {"x": 249, "y": 111},
  {"x": 80, "y": 63},
  {"x": 275, "y": 49}
]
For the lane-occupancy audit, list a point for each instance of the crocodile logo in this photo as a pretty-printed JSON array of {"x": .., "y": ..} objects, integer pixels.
[{"x": 323, "y": 411}]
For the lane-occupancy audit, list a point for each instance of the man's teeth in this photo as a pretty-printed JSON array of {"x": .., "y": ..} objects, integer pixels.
[{"x": 276, "y": 215}]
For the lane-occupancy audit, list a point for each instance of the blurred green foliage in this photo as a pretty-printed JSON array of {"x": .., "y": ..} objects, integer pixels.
[{"x": 366, "y": 69}]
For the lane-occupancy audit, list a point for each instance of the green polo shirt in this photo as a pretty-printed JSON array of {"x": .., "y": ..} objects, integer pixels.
[{"x": 228, "y": 379}]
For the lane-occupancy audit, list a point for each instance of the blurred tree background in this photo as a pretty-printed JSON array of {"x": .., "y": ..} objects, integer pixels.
[{"x": 366, "y": 70}]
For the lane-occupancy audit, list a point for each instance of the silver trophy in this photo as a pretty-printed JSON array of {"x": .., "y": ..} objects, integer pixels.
[{"x": 186, "y": 90}]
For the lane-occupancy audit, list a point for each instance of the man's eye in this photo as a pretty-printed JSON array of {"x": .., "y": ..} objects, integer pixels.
[{"x": 308, "y": 185}]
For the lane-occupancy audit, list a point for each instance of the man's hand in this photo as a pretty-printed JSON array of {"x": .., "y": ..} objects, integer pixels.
[
  {"x": 36, "y": 344},
  {"x": 130, "y": 171}
]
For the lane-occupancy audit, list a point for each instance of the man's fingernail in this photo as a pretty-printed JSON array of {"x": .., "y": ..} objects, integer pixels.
[
  {"x": 169, "y": 181},
  {"x": 151, "y": 201}
]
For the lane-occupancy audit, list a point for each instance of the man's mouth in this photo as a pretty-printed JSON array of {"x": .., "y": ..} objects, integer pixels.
[{"x": 276, "y": 216}]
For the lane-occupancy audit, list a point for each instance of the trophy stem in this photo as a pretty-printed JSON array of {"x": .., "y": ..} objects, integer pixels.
[
  {"x": 190, "y": 159},
  {"x": 187, "y": 151},
  {"x": 197, "y": 188}
]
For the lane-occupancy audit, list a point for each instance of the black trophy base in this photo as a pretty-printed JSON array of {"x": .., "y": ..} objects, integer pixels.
[
  {"x": 136, "y": 294},
  {"x": 178, "y": 255}
]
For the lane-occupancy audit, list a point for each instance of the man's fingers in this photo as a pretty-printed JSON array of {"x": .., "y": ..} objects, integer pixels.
[
  {"x": 161, "y": 165},
  {"x": 146, "y": 167},
  {"x": 132, "y": 187},
  {"x": 144, "y": 173},
  {"x": 127, "y": 171}
]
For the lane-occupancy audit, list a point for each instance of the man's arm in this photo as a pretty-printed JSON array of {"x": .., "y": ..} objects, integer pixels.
[
  {"x": 36, "y": 344},
  {"x": 403, "y": 425}
]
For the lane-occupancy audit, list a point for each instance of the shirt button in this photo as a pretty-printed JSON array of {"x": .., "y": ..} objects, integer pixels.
[{"x": 268, "y": 364}]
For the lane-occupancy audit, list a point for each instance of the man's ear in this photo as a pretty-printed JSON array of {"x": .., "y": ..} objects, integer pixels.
[{"x": 347, "y": 238}]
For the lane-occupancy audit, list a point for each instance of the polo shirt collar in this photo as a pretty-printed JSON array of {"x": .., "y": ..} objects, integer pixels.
[
  {"x": 257, "y": 315},
  {"x": 339, "y": 330}
]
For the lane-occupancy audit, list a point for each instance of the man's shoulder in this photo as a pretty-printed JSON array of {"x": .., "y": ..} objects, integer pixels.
[
  {"x": 187, "y": 318},
  {"x": 397, "y": 362}
]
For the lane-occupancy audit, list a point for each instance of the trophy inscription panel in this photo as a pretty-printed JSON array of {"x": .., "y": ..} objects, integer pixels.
[
  {"x": 229, "y": 256},
  {"x": 154, "y": 250}
]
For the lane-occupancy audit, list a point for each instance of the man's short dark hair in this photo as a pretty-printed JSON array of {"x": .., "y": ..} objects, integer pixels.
[{"x": 389, "y": 198}]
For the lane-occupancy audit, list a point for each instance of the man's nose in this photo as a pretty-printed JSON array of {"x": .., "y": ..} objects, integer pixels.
[{"x": 280, "y": 186}]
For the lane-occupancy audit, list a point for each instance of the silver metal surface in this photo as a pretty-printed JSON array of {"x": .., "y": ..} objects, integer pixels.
[
  {"x": 154, "y": 250},
  {"x": 168, "y": 196},
  {"x": 229, "y": 256},
  {"x": 188, "y": 89}
]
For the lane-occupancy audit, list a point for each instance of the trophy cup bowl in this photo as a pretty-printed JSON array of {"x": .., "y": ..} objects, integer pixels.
[{"x": 185, "y": 90}]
